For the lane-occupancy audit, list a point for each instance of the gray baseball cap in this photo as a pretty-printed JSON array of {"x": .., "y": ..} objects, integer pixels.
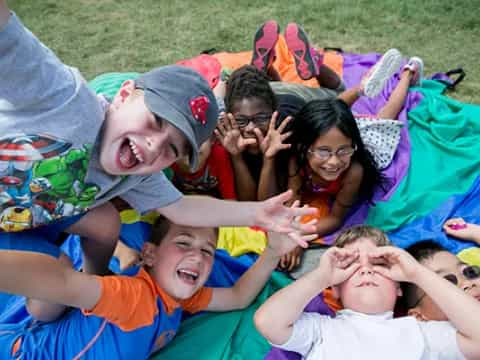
[{"x": 182, "y": 97}]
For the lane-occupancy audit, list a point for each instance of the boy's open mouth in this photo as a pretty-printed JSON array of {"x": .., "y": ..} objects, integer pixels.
[
  {"x": 130, "y": 155},
  {"x": 189, "y": 276}
]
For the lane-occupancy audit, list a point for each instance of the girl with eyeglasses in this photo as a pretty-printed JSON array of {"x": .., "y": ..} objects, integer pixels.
[{"x": 336, "y": 157}]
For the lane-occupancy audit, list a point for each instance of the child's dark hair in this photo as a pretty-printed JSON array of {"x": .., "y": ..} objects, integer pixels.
[
  {"x": 421, "y": 251},
  {"x": 249, "y": 82},
  {"x": 159, "y": 230},
  {"x": 424, "y": 249},
  {"x": 319, "y": 116}
]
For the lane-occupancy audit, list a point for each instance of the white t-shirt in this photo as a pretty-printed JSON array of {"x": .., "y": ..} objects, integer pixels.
[{"x": 353, "y": 335}]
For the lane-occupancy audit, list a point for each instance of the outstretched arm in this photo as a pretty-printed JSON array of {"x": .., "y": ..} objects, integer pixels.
[
  {"x": 4, "y": 13},
  {"x": 44, "y": 278},
  {"x": 252, "y": 281},
  {"x": 275, "y": 318},
  {"x": 462, "y": 310},
  {"x": 271, "y": 214},
  {"x": 462, "y": 230}
]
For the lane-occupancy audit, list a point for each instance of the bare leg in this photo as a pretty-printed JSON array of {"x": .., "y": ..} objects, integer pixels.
[
  {"x": 328, "y": 78},
  {"x": 397, "y": 97},
  {"x": 99, "y": 230},
  {"x": 351, "y": 95}
]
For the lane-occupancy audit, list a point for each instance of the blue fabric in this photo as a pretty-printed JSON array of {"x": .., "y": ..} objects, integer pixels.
[{"x": 465, "y": 205}]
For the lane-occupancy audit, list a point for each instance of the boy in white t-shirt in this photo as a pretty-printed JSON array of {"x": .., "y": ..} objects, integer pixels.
[{"x": 364, "y": 272}]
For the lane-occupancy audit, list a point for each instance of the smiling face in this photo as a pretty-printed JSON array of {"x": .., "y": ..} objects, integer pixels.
[
  {"x": 331, "y": 168},
  {"x": 259, "y": 114},
  {"x": 134, "y": 141},
  {"x": 182, "y": 262},
  {"x": 367, "y": 291},
  {"x": 445, "y": 264}
]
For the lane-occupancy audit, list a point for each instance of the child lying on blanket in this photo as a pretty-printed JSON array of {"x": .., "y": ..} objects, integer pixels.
[
  {"x": 335, "y": 158},
  {"x": 364, "y": 271},
  {"x": 129, "y": 316},
  {"x": 447, "y": 265}
]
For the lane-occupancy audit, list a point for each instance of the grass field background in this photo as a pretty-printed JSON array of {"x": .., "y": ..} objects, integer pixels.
[{"x": 118, "y": 35}]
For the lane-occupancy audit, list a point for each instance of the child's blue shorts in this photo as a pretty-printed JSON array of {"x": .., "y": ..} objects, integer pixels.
[{"x": 43, "y": 239}]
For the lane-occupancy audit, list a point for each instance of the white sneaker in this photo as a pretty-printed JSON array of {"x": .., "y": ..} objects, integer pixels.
[
  {"x": 374, "y": 80},
  {"x": 415, "y": 65}
]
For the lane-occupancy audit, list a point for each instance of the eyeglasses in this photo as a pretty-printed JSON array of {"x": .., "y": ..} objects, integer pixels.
[
  {"x": 261, "y": 119},
  {"x": 325, "y": 154},
  {"x": 469, "y": 272}
]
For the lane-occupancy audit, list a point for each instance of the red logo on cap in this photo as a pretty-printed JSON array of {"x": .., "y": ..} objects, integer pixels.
[{"x": 199, "y": 107}]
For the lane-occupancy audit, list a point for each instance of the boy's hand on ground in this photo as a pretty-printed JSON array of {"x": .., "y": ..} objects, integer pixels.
[
  {"x": 337, "y": 265},
  {"x": 455, "y": 227},
  {"x": 394, "y": 263},
  {"x": 229, "y": 135},
  {"x": 273, "y": 142},
  {"x": 273, "y": 215},
  {"x": 292, "y": 259}
]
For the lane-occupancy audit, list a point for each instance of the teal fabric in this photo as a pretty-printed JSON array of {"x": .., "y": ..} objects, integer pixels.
[
  {"x": 445, "y": 158},
  {"x": 223, "y": 336}
]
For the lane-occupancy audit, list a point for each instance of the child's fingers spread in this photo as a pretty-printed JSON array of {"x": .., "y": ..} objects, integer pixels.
[
  {"x": 284, "y": 124},
  {"x": 258, "y": 133},
  {"x": 232, "y": 123},
  {"x": 282, "y": 198},
  {"x": 285, "y": 136},
  {"x": 298, "y": 239},
  {"x": 273, "y": 120}
]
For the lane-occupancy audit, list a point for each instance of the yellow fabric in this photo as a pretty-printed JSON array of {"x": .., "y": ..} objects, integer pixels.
[
  {"x": 131, "y": 216},
  {"x": 470, "y": 256},
  {"x": 241, "y": 240}
]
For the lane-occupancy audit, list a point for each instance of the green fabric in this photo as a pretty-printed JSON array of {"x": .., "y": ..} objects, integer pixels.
[
  {"x": 445, "y": 158},
  {"x": 108, "y": 85},
  {"x": 228, "y": 336}
]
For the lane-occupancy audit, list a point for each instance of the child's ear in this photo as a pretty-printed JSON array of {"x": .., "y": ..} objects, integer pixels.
[
  {"x": 399, "y": 291},
  {"x": 148, "y": 254},
  {"x": 417, "y": 314},
  {"x": 127, "y": 88}
]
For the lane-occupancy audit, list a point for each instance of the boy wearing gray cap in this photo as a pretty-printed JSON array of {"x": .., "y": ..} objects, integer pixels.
[{"x": 64, "y": 153}]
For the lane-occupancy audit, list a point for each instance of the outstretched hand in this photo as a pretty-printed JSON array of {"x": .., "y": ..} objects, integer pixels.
[
  {"x": 394, "y": 263},
  {"x": 229, "y": 135},
  {"x": 273, "y": 215},
  {"x": 273, "y": 141},
  {"x": 459, "y": 228},
  {"x": 338, "y": 264}
]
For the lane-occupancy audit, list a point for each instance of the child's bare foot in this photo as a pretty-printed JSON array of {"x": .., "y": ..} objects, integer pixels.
[{"x": 415, "y": 68}]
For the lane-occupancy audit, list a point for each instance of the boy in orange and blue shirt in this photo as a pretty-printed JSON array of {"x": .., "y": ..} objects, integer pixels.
[{"x": 127, "y": 317}]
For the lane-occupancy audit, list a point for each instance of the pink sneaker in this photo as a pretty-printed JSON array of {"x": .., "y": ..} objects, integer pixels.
[
  {"x": 374, "y": 80},
  {"x": 263, "y": 45},
  {"x": 415, "y": 65},
  {"x": 306, "y": 61}
]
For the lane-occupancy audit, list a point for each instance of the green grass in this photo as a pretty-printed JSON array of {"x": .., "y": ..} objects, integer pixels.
[{"x": 123, "y": 35}]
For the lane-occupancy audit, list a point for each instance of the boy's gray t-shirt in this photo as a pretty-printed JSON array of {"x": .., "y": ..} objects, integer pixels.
[{"x": 50, "y": 125}]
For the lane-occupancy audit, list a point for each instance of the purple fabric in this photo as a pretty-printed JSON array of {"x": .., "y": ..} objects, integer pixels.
[{"x": 354, "y": 66}]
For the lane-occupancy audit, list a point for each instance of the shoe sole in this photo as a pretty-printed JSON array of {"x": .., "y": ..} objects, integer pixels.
[
  {"x": 384, "y": 69},
  {"x": 299, "y": 47},
  {"x": 264, "y": 42}
]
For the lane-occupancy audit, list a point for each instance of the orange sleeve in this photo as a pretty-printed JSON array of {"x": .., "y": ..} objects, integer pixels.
[
  {"x": 128, "y": 302},
  {"x": 199, "y": 301}
]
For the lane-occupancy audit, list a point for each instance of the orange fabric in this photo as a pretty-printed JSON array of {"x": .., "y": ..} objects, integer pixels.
[
  {"x": 284, "y": 63},
  {"x": 16, "y": 346},
  {"x": 332, "y": 303},
  {"x": 131, "y": 302}
]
